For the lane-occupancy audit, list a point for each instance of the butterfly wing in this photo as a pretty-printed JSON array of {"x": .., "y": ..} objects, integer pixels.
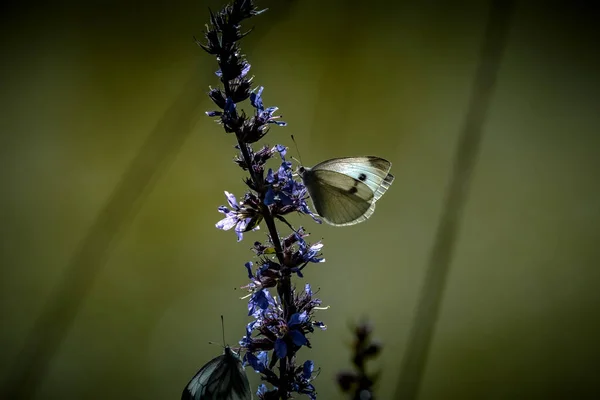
[
  {"x": 222, "y": 378},
  {"x": 196, "y": 387},
  {"x": 344, "y": 190},
  {"x": 340, "y": 199},
  {"x": 371, "y": 170}
]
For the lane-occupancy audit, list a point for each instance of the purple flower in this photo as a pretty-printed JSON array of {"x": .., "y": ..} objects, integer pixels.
[
  {"x": 308, "y": 253},
  {"x": 302, "y": 380},
  {"x": 295, "y": 324},
  {"x": 258, "y": 126},
  {"x": 242, "y": 217},
  {"x": 258, "y": 161},
  {"x": 260, "y": 302},
  {"x": 264, "y": 116},
  {"x": 267, "y": 274},
  {"x": 258, "y": 362},
  {"x": 264, "y": 394},
  {"x": 282, "y": 320},
  {"x": 280, "y": 348},
  {"x": 274, "y": 331},
  {"x": 285, "y": 194},
  {"x": 262, "y": 389}
]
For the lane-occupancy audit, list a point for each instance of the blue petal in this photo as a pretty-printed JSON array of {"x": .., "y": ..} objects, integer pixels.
[
  {"x": 269, "y": 197},
  {"x": 262, "y": 269},
  {"x": 263, "y": 359},
  {"x": 320, "y": 325},
  {"x": 269, "y": 111},
  {"x": 280, "y": 348},
  {"x": 230, "y": 107},
  {"x": 245, "y": 70},
  {"x": 250, "y": 327},
  {"x": 223, "y": 209},
  {"x": 257, "y": 302},
  {"x": 254, "y": 362},
  {"x": 281, "y": 149},
  {"x": 227, "y": 223},
  {"x": 232, "y": 200},
  {"x": 261, "y": 299},
  {"x": 308, "y": 368},
  {"x": 307, "y": 289},
  {"x": 262, "y": 389},
  {"x": 298, "y": 337},
  {"x": 270, "y": 178},
  {"x": 248, "y": 266},
  {"x": 298, "y": 272},
  {"x": 285, "y": 200},
  {"x": 256, "y": 100},
  {"x": 298, "y": 318}
]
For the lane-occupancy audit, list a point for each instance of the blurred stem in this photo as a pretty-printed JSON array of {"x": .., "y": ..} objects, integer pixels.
[{"x": 417, "y": 349}]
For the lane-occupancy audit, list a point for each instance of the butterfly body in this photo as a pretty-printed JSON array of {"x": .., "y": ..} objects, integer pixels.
[
  {"x": 344, "y": 190},
  {"x": 222, "y": 378}
]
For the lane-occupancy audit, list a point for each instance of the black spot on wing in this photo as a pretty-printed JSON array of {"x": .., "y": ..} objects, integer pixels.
[{"x": 354, "y": 189}]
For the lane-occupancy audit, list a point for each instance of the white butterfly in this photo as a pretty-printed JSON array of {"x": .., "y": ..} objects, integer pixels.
[
  {"x": 344, "y": 190},
  {"x": 222, "y": 378}
]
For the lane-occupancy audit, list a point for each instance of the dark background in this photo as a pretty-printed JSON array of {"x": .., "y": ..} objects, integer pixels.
[{"x": 113, "y": 275}]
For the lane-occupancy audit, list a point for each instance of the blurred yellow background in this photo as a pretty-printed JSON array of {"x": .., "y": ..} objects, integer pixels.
[{"x": 112, "y": 174}]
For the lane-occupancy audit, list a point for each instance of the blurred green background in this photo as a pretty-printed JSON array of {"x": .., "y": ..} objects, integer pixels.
[{"x": 111, "y": 175}]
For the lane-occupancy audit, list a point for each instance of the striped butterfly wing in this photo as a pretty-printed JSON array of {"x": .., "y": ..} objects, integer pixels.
[
  {"x": 222, "y": 378},
  {"x": 371, "y": 170}
]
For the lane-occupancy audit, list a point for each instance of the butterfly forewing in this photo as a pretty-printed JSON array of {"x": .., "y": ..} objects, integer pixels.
[
  {"x": 222, "y": 378},
  {"x": 371, "y": 170},
  {"x": 385, "y": 185}
]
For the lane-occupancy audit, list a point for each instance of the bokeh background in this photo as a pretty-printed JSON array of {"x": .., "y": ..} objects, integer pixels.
[{"x": 111, "y": 175}]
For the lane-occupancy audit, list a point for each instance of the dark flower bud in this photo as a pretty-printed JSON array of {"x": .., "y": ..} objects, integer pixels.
[
  {"x": 252, "y": 132},
  {"x": 372, "y": 350},
  {"x": 346, "y": 380},
  {"x": 240, "y": 89},
  {"x": 218, "y": 97},
  {"x": 362, "y": 331},
  {"x": 213, "y": 45}
]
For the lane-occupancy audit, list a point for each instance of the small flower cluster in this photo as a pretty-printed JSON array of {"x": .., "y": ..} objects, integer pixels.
[
  {"x": 359, "y": 384},
  {"x": 275, "y": 329},
  {"x": 281, "y": 193},
  {"x": 281, "y": 323},
  {"x": 283, "y": 337}
]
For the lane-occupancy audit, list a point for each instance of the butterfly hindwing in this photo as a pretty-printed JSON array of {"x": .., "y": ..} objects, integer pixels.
[{"x": 338, "y": 198}]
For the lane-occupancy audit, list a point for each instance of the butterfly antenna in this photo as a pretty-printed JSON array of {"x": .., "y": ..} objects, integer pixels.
[
  {"x": 223, "y": 330},
  {"x": 297, "y": 150}
]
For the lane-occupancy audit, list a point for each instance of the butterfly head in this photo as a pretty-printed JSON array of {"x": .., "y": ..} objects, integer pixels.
[
  {"x": 228, "y": 351},
  {"x": 301, "y": 170}
]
